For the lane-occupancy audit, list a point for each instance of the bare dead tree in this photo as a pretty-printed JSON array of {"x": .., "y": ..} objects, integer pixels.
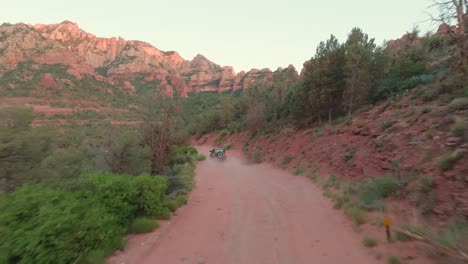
[
  {"x": 455, "y": 11},
  {"x": 161, "y": 123}
]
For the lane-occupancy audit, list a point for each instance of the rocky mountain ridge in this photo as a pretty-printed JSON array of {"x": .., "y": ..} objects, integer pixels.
[{"x": 135, "y": 65}]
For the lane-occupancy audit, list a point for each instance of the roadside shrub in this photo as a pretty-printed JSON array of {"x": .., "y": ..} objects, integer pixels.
[
  {"x": 332, "y": 181},
  {"x": 459, "y": 129},
  {"x": 115, "y": 192},
  {"x": 165, "y": 214},
  {"x": 143, "y": 225},
  {"x": 43, "y": 225},
  {"x": 181, "y": 200},
  {"x": 454, "y": 236},
  {"x": 349, "y": 155},
  {"x": 388, "y": 123},
  {"x": 178, "y": 168},
  {"x": 426, "y": 184},
  {"x": 374, "y": 191},
  {"x": 448, "y": 161},
  {"x": 286, "y": 159},
  {"x": 299, "y": 170},
  {"x": 200, "y": 157},
  {"x": 356, "y": 214},
  {"x": 228, "y": 146},
  {"x": 256, "y": 156},
  {"x": 221, "y": 136},
  {"x": 183, "y": 154},
  {"x": 151, "y": 193},
  {"x": 393, "y": 260},
  {"x": 171, "y": 204},
  {"x": 369, "y": 241},
  {"x": 174, "y": 183},
  {"x": 341, "y": 200}
]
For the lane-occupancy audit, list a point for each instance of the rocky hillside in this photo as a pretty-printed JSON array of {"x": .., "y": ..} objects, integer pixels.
[
  {"x": 422, "y": 143},
  {"x": 135, "y": 66}
]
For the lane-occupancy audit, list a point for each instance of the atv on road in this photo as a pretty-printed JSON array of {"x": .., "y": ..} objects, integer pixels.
[{"x": 218, "y": 153}]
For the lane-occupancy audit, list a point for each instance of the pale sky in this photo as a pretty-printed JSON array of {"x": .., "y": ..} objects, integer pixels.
[{"x": 244, "y": 34}]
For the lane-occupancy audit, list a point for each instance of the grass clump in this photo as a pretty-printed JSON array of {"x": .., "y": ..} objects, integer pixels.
[
  {"x": 349, "y": 155},
  {"x": 286, "y": 160},
  {"x": 200, "y": 157},
  {"x": 332, "y": 181},
  {"x": 454, "y": 236},
  {"x": 426, "y": 184},
  {"x": 228, "y": 146},
  {"x": 143, "y": 225},
  {"x": 393, "y": 260},
  {"x": 171, "y": 205},
  {"x": 459, "y": 129},
  {"x": 181, "y": 200},
  {"x": 447, "y": 162},
  {"x": 369, "y": 241},
  {"x": 356, "y": 214},
  {"x": 299, "y": 170},
  {"x": 387, "y": 124},
  {"x": 256, "y": 156},
  {"x": 221, "y": 136},
  {"x": 373, "y": 192}
]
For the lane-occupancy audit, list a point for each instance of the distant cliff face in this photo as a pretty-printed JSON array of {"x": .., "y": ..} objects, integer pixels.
[{"x": 135, "y": 65}]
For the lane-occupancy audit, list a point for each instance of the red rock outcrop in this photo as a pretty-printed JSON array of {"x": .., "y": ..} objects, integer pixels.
[
  {"x": 48, "y": 81},
  {"x": 121, "y": 62}
]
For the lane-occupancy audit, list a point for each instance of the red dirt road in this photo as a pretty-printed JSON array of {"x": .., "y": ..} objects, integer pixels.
[{"x": 241, "y": 213}]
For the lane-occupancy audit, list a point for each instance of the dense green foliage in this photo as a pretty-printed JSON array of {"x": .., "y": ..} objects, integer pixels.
[
  {"x": 41, "y": 224},
  {"x": 339, "y": 80},
  {"x": 70, "y": 195}
]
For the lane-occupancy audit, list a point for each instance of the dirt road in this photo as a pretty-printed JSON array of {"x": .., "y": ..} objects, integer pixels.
[{"x": 241, "y": 213}]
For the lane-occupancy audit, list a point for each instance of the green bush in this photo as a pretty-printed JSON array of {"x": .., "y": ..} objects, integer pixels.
[
  {"x": 341, "y": 200},
  {"x": 151, "y": 193},
  {"x": 181, "y": 200},
  {"x": 228, "y": 146},
  {"x": 143, "y": 225},
  {"x": 460, "y": 129},
  {"x": 286, "y": 159},
  {"x": 174, "y": 183},
  {"x": 200, "y": 157},
  {"x": 426, "y": 184},
  {"x": 256, "y": 156},
  {"x": 116, "y": 192},
  {"x": 455, "y": 235},
  {"x": 448, "y": 161},
  {"x": 332, "y": 182},
  {"x": 171, "y": 205},
  {"x": 374, "y": 191},
  {"x": 183, "y": 154},
  {"x": 43, "y": 225},
  {"x": 356, "y": 214},
  {"x": 393, "y": 260},
  {"x": 221, "y": 136},
  {"x": 369, "y": 241},
  {"x": 299, "y": 170},
  {"x": 349, "y": 155},
  {"x": 165, "y": 214}
]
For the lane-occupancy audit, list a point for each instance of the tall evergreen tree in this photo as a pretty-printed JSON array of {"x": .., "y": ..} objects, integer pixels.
[
  {"x": 324, "y": 79},
  {"x": 359, "y": 51}
]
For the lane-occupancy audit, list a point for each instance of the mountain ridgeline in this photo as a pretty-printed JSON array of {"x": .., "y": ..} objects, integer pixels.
[{"x": 134, "y": 66}]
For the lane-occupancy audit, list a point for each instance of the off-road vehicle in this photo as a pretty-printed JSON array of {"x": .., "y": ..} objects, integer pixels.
[{"x": 218, "y": 153}]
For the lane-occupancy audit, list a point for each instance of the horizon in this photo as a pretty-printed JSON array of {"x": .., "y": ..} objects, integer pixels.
[{"x": 274, "y": 45}]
